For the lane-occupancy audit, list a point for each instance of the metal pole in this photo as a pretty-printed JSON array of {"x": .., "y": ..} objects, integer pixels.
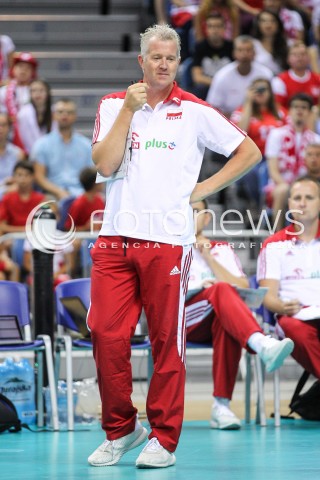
[
  {"x": 43, "y": 293},
  {"x": 44, "y": 221}
]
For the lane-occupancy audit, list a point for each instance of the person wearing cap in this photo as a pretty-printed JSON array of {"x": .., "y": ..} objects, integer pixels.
[{"x": 17, "y": 93}]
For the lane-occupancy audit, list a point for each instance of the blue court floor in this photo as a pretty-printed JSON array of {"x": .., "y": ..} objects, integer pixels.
[{"x": 291, "y": 452}]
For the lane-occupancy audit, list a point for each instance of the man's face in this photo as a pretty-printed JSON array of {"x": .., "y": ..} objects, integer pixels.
[
  {"x": 65, "y": 114},
  {"x": 160, "y": 64},
  {"x": 23, "y": 178},
  {"x": 215, "y": 29},
  {"x": 244, "y": 52},
  {"x": 312, "y": 160},
  {"x": 298, "y": 57},
  {"x": 305, "y": 196},
  {"x": 299, "y": 112}
]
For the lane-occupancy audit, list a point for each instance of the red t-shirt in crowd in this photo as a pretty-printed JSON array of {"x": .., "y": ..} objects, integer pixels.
[
  {"x": 287, "y": 84},
  {"x": 259, "y": 128},
  {"x": 82, "y": 208},
  {"x": 15, "y": 210}
]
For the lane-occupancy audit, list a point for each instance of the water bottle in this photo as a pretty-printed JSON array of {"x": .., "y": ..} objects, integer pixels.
[
  {"x": 18, "y": 384},
  {"x": 62, "y": 404}
]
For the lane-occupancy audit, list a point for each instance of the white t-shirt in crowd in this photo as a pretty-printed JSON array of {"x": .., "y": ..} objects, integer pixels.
[{"x": 228, "y": 88}]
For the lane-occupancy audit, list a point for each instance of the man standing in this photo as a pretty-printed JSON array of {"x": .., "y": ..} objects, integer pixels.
[
  {"x": 143, "y": 253},
  {"x": 289, "y": 265}
]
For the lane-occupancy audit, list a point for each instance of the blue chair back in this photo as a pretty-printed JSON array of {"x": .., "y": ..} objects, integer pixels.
[
  {"x": 78, "y": 287},
  {"x": 14, "y": 301}
]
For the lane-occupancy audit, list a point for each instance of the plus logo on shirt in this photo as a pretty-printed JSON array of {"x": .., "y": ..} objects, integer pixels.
[{"x": 154, "y": 143}]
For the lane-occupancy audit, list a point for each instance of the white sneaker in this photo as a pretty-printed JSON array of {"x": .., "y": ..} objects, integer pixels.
[
  {"x": 274, "y": 354},
  {"x": 223, "y": 418},
  {"x": 110, "y": 451},
  {"x": 155, "y": 456}
]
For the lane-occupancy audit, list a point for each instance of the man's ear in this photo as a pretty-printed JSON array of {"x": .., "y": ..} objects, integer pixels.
[{"x": 140, "y": 60}]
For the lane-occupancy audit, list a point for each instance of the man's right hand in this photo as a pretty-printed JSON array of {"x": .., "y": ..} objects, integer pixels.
[{"x": 136, "y": 96}]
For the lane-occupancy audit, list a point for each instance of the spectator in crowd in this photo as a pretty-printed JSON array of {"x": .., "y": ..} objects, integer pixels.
[
  {"x": 312, "y": 160},
  {"x": 270, "y": 43},
  {"x": 9, "y": 155},
  {"x": 226, "y": 8},
  {"x": 292, "y": 21},
  {"x": 35, "y": 118},
  {"x": 60, "y": 155},
  {"x": 16, "y": 205},
  {"x": 17, "y": 92},
  {"x": 285, "y": 153},
  {"x": 161, "y": 9},
  {"x": 304, "y": 9},
  {"x": 248, "y": 10},
  {"x": 86, "y": 204},
  {"x": 298, "y": 78},
  {"x": 289, "y": 265},
  {"x": 228, "y": 88},
  {"x": 7, "y": 50},
  {"x": 210, "y": 55},
  {"x": 217, "y": 314},
  {"x": 181, "y": 14},
  {"x": 258, "y": 116}
]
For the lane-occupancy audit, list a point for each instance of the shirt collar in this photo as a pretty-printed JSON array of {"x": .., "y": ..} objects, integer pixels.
[
  {"x": 174, "y": 95},
  {"x": 295, "y": 237}
]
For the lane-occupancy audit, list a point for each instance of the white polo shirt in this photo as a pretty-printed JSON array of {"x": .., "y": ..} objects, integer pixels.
[
  {"x": 200, "y": 270},
  {"x": 294, "y": 263},
  {"x": 168, "y": 143}
]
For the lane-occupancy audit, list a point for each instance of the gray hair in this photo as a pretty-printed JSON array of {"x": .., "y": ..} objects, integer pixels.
[
  {"x": 160, "y": 32},
  {"x": 240, "y": 39}
]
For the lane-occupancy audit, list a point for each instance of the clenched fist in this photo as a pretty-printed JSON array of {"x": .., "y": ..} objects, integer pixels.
[{"x": 136, "y": 96}]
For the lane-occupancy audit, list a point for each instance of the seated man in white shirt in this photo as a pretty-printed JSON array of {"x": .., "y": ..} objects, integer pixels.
[
  {"x": 289, "y": 265},
  {"x": 216, "y": 314}
]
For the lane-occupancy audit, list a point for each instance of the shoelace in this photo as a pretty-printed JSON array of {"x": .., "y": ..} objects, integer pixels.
[{"x": 153, "y": 445}]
